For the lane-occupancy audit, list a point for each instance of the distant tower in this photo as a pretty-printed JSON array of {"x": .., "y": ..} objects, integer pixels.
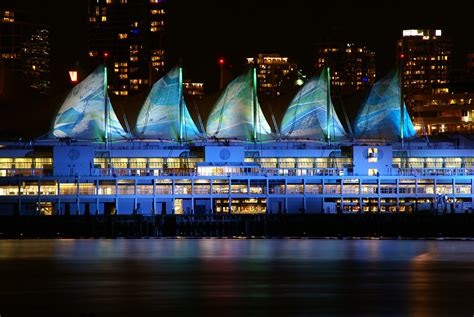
[
  {"x": 25, "y": 49},
  {"x": 352, "y": 65},
  {"x": 132, "y": 33},
  {"x": 427, "y": 55},
  {"x": 272, "y": 71}
]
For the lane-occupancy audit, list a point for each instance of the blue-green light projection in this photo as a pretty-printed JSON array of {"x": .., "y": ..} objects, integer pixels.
[
  {"x": 232, "y": 116},
  {"x": 82, "y": 114},
  {"x": 379, "y": 116},
  {"x": 307, "y": 115},
  {"x": 160, "y": 115}
]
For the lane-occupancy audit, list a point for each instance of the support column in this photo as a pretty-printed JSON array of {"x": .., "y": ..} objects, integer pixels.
[{"x": 304, "y": 195}]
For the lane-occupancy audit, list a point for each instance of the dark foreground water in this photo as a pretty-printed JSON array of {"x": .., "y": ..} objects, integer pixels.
[{"x": 223, "y": 277}]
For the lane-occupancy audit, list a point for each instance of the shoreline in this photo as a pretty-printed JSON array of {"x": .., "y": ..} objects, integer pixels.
[{"x": 292, "y": 226}]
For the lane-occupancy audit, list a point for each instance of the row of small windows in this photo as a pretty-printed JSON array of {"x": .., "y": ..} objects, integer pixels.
[
  {"x": 204, "y": 187},
  {"x": 309, "y": 162}
]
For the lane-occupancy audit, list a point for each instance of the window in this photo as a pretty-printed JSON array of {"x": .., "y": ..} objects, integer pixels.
[
  {"x": 372, "y": 155},
  {"x": 373, "y": 172}
]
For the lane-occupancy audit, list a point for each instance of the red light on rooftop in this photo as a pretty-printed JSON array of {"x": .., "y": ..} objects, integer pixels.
[
  {"x": 221, "y": 61},
  {"x": 402, "y": 56},
  {"x": 106, "y": 54}
]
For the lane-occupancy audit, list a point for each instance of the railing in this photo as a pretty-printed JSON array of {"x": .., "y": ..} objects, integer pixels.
[{"x": 436, "y": 171}]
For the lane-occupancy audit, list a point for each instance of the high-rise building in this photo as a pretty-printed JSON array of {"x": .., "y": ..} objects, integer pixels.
[
  {"x": 427, "y": 57},
  {"x": 36, "y": 60},
  {"x": 352, "y": 66},
  {"x": 25, "y": 49},
  {"x": 129, "y": 33},
  {"x": 272, "y": 71}
]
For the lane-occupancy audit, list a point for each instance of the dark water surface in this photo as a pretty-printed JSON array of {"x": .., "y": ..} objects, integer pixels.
[{"x": 224, "y": 277}]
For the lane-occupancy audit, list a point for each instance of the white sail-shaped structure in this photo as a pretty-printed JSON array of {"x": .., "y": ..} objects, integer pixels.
[
  {"x": 82, "y": 115},
  {"x": 232, "y": 117},
  {"x": 306, "y": 116},
  {"x": 380, "y": 116},
  {"x": 159, "y": 117}
]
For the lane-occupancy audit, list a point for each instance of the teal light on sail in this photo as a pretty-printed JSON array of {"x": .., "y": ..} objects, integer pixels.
[
  {"x": 307, "y": 115},
  {"x": 161, "y": 116},
  {"x": 106, "y": 112},
  {"x": 328, "y": 105},
  {"x": 254, "y": 105},
  {"x": 380, "y": 115},
  {"x": 83, "y": 114},
  {"x": 180, "y": 103},
  {"x": 232, "y": 117}
]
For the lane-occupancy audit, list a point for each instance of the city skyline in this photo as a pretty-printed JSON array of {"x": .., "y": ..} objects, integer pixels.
[{"x": 201, "y": 33}]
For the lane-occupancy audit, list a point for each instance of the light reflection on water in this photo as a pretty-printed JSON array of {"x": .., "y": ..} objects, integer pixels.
[{"x": 236, "y": 277}]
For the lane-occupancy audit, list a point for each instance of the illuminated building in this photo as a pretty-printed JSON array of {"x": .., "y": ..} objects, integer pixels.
[
  {"x": 131, "y": 33},
  {"x": 90, "y": 165},
  {"x": 352, "y": 66},
  {"x": 36, "y": 52},
  {"x": 272, "y": 71},
  {"x": 443, "y": 113},
  {"x": 427, "y": 57},
  {"x": 25, "y": 49}
]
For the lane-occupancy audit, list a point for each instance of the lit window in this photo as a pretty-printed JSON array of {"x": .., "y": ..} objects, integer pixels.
[
  {"x": 373, "y": 172},
  {"x": 104, "y": 18},
  {"x": 372, "y": 155},
  {"x": 122, "y": 36}
]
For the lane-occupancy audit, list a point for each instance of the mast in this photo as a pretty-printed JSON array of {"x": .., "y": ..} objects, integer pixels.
[
  {"x": 254, "y": 108},
  {"x": 106, "y": 109},
  {"x": 402, "y": 108},
  {"x": 180, "y": 105},
  {"x": 328, "y": 106}
]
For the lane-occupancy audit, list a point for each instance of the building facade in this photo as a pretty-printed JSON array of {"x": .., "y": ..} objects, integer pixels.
[
  {"x": 25, "y": 49},
  {"x": 128, "y": 36},
  {"x": 272, "y": 71},
  {"x": 443, "y": 113},
  {"x": 426, "y": 58},
  {"x": 149, "y": 179},
  {"x": 352, "y": 66},
  {"x": 90, "y": 164}
]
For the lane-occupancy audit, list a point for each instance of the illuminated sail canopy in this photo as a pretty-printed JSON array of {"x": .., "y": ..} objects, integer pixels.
[
  {"x": 82, "y": 114},
  {"x": 306, "y": 116},
  {"x": 379, "y": 116},
  {"x": 232, "y": 115},
  {"x": 159, "y": 115}
]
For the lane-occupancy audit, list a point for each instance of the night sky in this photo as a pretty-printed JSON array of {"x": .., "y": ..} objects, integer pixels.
[{"x": 200, "y": 32}]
